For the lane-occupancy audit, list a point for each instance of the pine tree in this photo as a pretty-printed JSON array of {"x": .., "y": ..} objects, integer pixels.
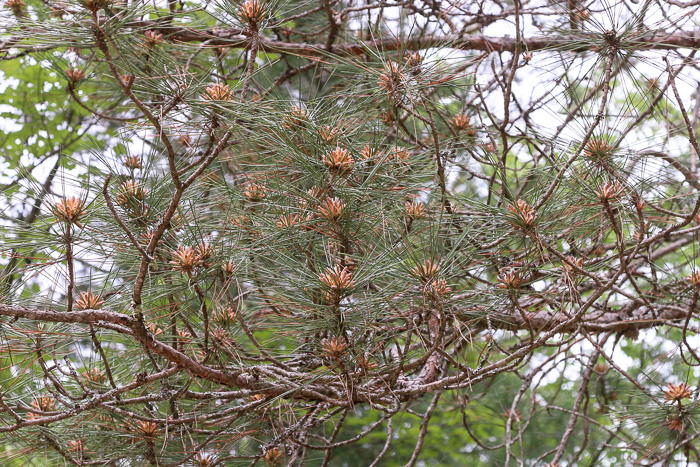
[{"x": 349, "y": 233}]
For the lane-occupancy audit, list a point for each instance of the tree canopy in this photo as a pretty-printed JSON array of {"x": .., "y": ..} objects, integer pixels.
[{"x": 346, "y": 233}]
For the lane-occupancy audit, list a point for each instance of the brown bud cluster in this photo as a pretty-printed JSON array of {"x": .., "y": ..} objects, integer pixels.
[
  {"x": 609, "y": 192},
  {"x": 524, "y": 213},
  {"x": 426, "y": 271},
  {"x": 338, "y": 280},
  {"x": 334, "y": 348},
  {"x": 132, "y": 162},
  {"x": 694, "y": 279},
  {"x": 251, "y": 12},
  {"x": 398, "y": 154},
  {"x": 675, "y": 423},
  {"x": 274, "y": 456},
  {"x": 510, "y": 279},
  {"x": 89, "y": 301},
  {"x": 339, "y": 162},
  {"x": 229, "y": 268},
  {"x": 225, "y": 317},
  {"x": 130, "y": 193},
  {"x": 76, "y": 445},
  {"x": 288, "y": 220},
  {"x": 328, "y": 133},
  {"x": 152, "y": 38},
  {"x": 95, "y": 5},
  {"x": 599, "y": 149},
  {"x": 460, "y": 123},
  {"x": 74, "y": 75},
  {"x": 415, "y": 210},
  {"x": 217, "y": 92},
  {"x": 70, "y": 210},
  {"x": 186, "y": 259},
  {"x": 578, "y": 262},
  {"x": 95, "y": 375},
  {"x": 414, "y": 60},
  {"x": 42, "y": 404},
  {"x": 332, "y": 209},
  {"x": 204, "y": 459},
  {"x": 369, "y": 155},
  {"x": 365, "y": 365},
  {"x": 296, "y": 117},
  {"x": 16, "y": 7},
  {"x": 255, "y": 192},
  {"x": 675, "y": 393},
  {"x": 393, "y": 81},
  {"x": 147, "y": 429}
]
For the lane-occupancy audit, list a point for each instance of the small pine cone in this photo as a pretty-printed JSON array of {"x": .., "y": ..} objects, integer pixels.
[
  {"x": 16, "y": 6},
  {"x": 95, "y": 375},
  {"x": 524, "y": 213},
  {"x": 251, "y": 12},
  {"x": 152, "y": 38},
  {"x": 186, "y": 259},
  {"x": 609, "y": 192},
  {"x": 255, "y": 192},
  {"x": 338, "y": 280},
  {"x": 218, "y": 92},
  {"x": 677, "y": 392},
  {"x": 393, "y": 81},
  {"x": 296, "y": 117},
  {"x": 332, "y": 209},
  {"x": 74, "y": 75},
  {"x": 334, "y": 348},
  {"x": 328, "y": 133},
  {"x": 287, "y": 221},
  {"x": 510, "y": 279},
  {"x": 274, "y": 456},
  {"x": 426, "y": 271},
  {"x": 89, "y": 301},
  {"x": 132, "y": 162},
  {"x": 70, "y": 210},
  {"x": 225, "y": 317},
  {"x": 415, "y": 210},
  {"x": 148, "y": 430},
  {"x": 339, "y": 162}
]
